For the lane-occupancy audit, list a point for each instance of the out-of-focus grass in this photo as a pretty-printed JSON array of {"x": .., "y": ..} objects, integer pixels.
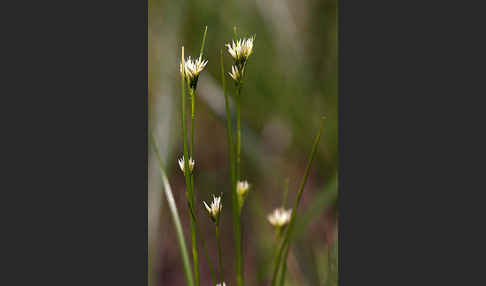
[{"x": 291, "y": 81}]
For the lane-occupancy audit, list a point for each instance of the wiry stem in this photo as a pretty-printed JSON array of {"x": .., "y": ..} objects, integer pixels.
[
  {"x": 189, "y": 193},
  {"x": 284, "y": 266},
  {"x": 193, "y": 115},
  {"x": 191, "y": 150},
  {"x": 239, "y": 252},
  {"x": 220, "y": 261},
  {"x": 193, "y": 218},
  {"x": 294, "y": 208},
  {"x": 203, "y": 242},
  {"x": 232, "y": 164},
  {"x": 203, "y": 41}
]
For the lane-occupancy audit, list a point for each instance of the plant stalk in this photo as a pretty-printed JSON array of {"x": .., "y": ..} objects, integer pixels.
[
  {"x": 239, "y": 251},
  {"x": 220, "y": 261},
  {"x": 189, "y": 193},
  {"x": 294, "y": 208},
  {"x": 203, "y": 242}
]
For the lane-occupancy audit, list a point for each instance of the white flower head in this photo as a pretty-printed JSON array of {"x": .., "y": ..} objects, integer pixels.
[
  {"x": 242, "y": 188},
  {"x": 279, "y": 217},
  {"x": 241, "y": 50},
  {"x": 192, "y": 69},
  {"x": 190, "y": 162},
  {"x": 221, "y": 284},
  {"x": 235, "y": 73},
  {"x": 215, "y": 208}
]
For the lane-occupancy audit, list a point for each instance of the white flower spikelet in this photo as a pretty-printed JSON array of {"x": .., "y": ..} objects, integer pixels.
[
  {"x": 219, "y": 284},
  {"x": 241, "y": 50},
  {"x": 279, "y": 217},
  {"x": 190, "y": 162},
  {"x": 192, "y": 69},
  {"x": 215, "y": 208},
  {"x": 235, "y": 73},
  {"x": 242, "y": 188}
]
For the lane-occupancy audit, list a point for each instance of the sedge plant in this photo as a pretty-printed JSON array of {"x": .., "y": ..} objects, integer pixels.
[
  {"x": 240, "y": 50},
  {"x": 190, "y": 70},
  {"x": 280, "y": 264},
  {"x": 281, "y": 218}
]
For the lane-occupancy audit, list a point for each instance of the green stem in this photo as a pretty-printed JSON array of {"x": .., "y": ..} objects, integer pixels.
[
  {"x": 175, "y": 218},
  {"x": 284, "y": 266},
  {"x": 220, "y": 261},
  {"x": 294, "y": 208},
  {"x": 189, "y": 193},
  {"x": 195, "y": 256},
  {"x": 238, "y": 130},
  {"x": 191, "y": 149},
  {"x": 194, "y": 252},
  {"x": 203, "y": 243},
  {"x": 278, "y": 239},
  {"x": 239, "y": 252},
  {"x": 229, "y": 129},
  {"x": 192, "y": 94},
  {"x": 232, "y": 163},
  {"x": 203, "y": 41}
]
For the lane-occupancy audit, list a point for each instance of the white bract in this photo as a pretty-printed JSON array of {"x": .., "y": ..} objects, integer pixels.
[
  {"x": 190, "y": 162},
  {"x": 242, "y": 188},
  {"x": 192, "y": 69},
  {"x": 235, "y": 73},
  {"x": 215, "y": 208},
  {"x": 241, "y": 50}
]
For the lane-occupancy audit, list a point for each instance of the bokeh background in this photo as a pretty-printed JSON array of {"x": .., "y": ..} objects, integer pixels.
[{"x": 291, "y": 81}]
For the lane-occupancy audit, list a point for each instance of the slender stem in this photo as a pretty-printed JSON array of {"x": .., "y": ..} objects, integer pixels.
[
  {"x": 284, "y": 266},
  {"x": 278, "y": 239},
  {"x": 194, "y": 225},
  {"x": 203, "y": 41},
  {"x": 232, "y": 164},
  {"x": 191, "y": 149},
  {"x": 191, "y": 184},
  {"x": 220, "y": 261},
  {"x": 238, "y": 131},
  {"x": 192, "y": 94},
  {"x": 229, "y": 129},
  {"x": 294, "y": 208},
  {"x": 194, "y": 252},
  {"x": 189, "y": 193},
  {"x": 239, "y": 252},
  {"x": 203, "y": 243},
  {"x": 175, "y": 217}
]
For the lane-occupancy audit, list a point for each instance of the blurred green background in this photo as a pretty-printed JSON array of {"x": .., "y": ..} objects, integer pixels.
[{"x": 291, "y": 81}]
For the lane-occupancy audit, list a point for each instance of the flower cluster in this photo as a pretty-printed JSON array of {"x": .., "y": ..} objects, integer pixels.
[
  {"x": 190, "y": 162},
  {"x": 191, "y": 70},
  {"x": 280, "y": 217},
  {"x": 215, "y": 209},
  {"x": 240, "y": 51}
]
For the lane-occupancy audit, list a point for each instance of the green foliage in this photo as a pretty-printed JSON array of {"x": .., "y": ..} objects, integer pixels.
[{"x": 291, "y": 80}]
